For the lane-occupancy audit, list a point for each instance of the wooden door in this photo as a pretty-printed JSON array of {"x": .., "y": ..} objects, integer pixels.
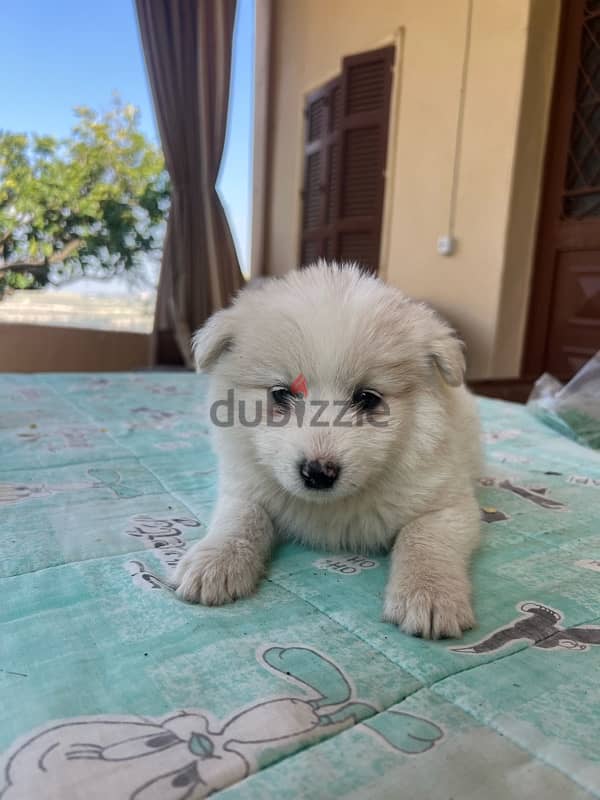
[{"x": 564, "y": 314}]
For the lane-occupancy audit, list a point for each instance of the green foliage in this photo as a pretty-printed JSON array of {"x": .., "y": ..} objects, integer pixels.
[{"x": 91, "y": 205}]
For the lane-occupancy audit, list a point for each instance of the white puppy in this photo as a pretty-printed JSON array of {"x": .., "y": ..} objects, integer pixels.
[{"x": 381, "y": 453}]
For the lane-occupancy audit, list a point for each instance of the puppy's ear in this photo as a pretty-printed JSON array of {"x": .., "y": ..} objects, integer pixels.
[
  {"x": 213, "y": 339},
  {"x": 448, "y": 354}
]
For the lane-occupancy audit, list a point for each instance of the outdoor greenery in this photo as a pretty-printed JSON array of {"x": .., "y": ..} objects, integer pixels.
[{"x": 91, "y": 205}]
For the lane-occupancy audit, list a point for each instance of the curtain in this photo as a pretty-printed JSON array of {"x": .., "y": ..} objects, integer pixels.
[{"x": 187, "y": 46}]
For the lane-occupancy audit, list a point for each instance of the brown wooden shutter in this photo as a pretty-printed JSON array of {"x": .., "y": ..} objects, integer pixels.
[
  {"x": 345, "y": 155},
  {"x": 321, "y": 115},
  {"x": 366, "y": 91}
]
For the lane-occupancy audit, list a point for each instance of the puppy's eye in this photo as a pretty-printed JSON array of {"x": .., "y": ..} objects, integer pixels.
[
  {"x": 366, "y": 399},
  {"x": 281, "y": 396}
]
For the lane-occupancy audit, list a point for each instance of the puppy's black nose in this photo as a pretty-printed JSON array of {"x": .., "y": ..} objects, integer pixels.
[{"x": 319, "y": 474}]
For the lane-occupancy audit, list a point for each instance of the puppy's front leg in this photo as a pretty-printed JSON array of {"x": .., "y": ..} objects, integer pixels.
[
  {"x": 231, "y": 559},
  {"x": 428, "y": 592}
]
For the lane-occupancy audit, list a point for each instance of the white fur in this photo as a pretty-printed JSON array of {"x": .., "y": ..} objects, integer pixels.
[{"x": 405, "y": 485}]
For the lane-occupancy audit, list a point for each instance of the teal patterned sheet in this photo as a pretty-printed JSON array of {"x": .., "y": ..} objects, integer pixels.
[{"x": 110, "y": 687}]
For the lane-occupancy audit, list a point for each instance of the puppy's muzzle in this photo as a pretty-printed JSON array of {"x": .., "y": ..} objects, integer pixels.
[{"x": 319, "y": 474}]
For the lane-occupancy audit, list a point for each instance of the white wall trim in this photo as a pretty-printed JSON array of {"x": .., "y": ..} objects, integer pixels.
[{"x": 392, "y": 151}]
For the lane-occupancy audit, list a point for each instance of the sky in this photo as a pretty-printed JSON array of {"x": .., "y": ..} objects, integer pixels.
[{"x": 60, "y": 54}]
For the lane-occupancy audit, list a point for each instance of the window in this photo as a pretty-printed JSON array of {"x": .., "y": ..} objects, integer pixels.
[
  {"x": 80, "y": 174},
  {"x": 346, "y": 131},
  {"x": 235, "y": 177}
]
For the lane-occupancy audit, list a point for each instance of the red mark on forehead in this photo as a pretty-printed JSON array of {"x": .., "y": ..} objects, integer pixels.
[{"x": 298, "y": 385}]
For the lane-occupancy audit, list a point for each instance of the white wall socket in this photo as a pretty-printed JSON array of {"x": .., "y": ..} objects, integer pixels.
[{"x": 446, "y": 245}]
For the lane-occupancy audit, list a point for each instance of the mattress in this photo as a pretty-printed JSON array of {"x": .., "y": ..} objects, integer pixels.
[{"x": 111, "y": 687}]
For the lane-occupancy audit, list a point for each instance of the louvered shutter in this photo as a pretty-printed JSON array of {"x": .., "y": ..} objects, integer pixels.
[
  {"x": 366, "y": 90},
  {"x": 345, "y": 155},
  {"x": 321, "y": 115}
]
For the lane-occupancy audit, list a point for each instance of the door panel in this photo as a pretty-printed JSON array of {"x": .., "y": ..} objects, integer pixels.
[
  {"x": 575, "y": 320},
  {"x": 564, "y": 315}
]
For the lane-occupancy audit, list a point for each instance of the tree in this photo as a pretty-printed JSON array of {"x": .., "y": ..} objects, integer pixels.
[{"x": 90, "y": 205}]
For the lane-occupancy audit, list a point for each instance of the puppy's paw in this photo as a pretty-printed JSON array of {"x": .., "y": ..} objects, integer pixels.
[
  {"x": 432, "y": 614},
  {"x": 217, "y": 573}
]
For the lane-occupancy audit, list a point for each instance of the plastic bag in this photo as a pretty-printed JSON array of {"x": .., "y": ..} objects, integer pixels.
[{"x": 573, "y": 409}]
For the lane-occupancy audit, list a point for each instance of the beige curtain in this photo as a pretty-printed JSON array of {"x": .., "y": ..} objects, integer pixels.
[{"x": 187, "y": 45}]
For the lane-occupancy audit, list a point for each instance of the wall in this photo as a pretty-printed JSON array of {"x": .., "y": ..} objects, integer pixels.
[
  {"x": 483, "y": 287},
  {"x": 37, "y": 348}
]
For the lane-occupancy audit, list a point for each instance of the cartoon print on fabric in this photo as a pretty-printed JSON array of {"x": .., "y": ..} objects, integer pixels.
[
  {"x": 153, "y": 419},
  {"x": 508, "y": 458},
  {"x": 191, "y": 754},
  {"x": 104, "y": 478},
  {"x": 490, "y": 514},
  {"x": 589, "y": 563},
  {"x": 143, "y": 578},
  {"x": 27, "y": 393},
  {"x": 113, "y": 480},
  {"x": 537, "y": 495},
  {"x": 491, "y": 437},
  {"x": 346, "y": 565},
  {"x": 584, "y": 480},
  {"x": 12, "y": 493},
  {"x": 167, "y": 538},
  {"x": 65, "y": 438},
  {"x": 170, "y": 390},
  {"x": 541, "y": 627}
]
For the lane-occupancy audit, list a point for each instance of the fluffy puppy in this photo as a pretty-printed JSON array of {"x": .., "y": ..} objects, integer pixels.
[{"x": 349, "y": 428}]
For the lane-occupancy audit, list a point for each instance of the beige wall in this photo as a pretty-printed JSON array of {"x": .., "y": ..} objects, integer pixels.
[
  {"x": 483, "y": 287},
  {"x": 40, "y": 348}
]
